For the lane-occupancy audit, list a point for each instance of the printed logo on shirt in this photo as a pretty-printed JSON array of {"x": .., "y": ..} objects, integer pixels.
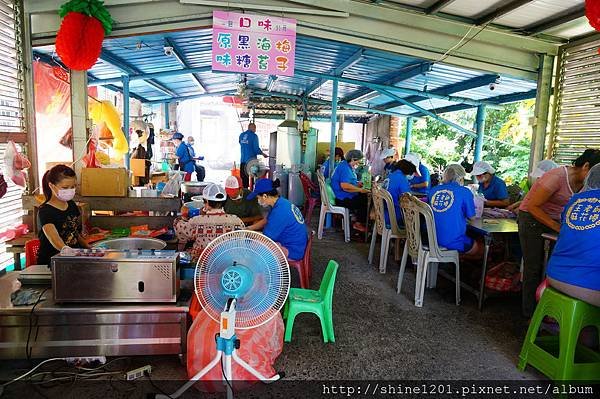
[
  {"x": 442, "y": 200},
  {"x": 244, "y": 139},
  {"x": 297, "y": 214},
  {"x": 584, "y": 214}
]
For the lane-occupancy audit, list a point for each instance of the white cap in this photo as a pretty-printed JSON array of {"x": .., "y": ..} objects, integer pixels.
[
  {"x": 482, "y": 167},
  {"x": 415, "y": 160},
  {"x": 214, "y": 192},
  {"x": 543, "y": 167},
  {"x": 390, "y": 152}
]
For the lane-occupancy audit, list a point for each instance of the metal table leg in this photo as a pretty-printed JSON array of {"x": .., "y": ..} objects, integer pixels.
[
  {"x": 368, "y": 218},
  {"x": 488, "y": 242}
]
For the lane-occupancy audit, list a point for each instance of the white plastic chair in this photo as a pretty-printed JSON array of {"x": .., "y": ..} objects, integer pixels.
[
  {"x": 412, "y": 209},
  {"x": 382, "y": 199},
  {"x": 327, "y": 207}
]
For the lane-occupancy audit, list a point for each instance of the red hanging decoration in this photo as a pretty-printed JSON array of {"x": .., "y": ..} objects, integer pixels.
[
  {"x": 79, "y": 39},
  {"x": 592, "y": 12}
]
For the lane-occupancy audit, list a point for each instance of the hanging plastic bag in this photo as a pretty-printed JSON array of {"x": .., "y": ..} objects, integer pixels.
[
  {"x": 89, "y": 160},
  {"x": 67, "y": 139},
  {"x": 172, "y": 187},
  {"x": 15, "y": 163}
]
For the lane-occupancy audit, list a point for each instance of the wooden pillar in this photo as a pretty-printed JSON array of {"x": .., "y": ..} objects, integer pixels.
[{"x": 79, "y": 118}]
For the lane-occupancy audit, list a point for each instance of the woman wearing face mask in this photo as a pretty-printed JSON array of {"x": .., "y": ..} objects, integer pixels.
[
  {"x": 59, "y": 216},
  {"x": 420, "y": 181},
  {"x": 540, "y": 212},
  {"x": 284, "y": 223},
  {"x": 491, "y": 186},
  {"x": 348, "y": 191}
]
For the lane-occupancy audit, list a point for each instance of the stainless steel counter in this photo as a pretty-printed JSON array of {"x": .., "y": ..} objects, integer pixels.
[{"x": 60, "y": 330}]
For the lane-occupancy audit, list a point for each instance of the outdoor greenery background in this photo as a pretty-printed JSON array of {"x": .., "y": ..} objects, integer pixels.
[{"x": 440, "y": 145}]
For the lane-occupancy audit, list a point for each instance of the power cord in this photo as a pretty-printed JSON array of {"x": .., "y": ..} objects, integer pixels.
[
  {"x": 28, "y": 350},
  {"x": 147, "y": 374},
  {"x": 225, "y": 377}
]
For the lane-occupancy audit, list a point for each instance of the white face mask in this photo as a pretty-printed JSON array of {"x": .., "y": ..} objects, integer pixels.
[
  {"x": 236, "y": 198},
  {"x": 264, "y": 205},
  {"x": 410, "y": 177},
  {"x": 65, "y": 194}
]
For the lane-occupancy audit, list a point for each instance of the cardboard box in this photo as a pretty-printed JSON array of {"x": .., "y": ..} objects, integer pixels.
[
  {"x": 104, "y": 182},
  {"x": 138, "y": 167}
]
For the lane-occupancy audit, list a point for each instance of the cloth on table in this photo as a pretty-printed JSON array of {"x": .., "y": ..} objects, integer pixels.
[
  {"x": 26, "y": 296},
  {"x": 498, "y": 213}
]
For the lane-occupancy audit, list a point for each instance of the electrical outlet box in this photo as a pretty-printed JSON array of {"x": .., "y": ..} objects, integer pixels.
[
  {"x": 85, "y": 361},
  {"x": 137, "y": 373}
]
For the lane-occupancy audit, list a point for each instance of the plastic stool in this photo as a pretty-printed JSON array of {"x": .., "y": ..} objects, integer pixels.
[
  {"x": 559, "y": 357},
  {"x": 317, "y": 302}
]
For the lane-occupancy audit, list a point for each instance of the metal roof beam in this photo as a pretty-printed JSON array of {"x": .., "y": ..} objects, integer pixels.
[
  {"x": 501, "y": 11},
  {"x": 180, "y": 57},
  {"x": 127, "y": 69},
  {"x": 447, "y": 90},
  {"x": 437, "y": 6},
  {"x": 394, "y": 78},
  {"x": 379, "y": 87},
  {"x": 182, "y": 98},
  {"x": 555, "y": 21},
  {"x": 352, "y": 60},
  {"x": 154, "y": 75}
]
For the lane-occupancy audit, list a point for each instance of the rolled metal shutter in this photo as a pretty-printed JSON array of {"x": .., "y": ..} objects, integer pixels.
[
  {"x": 11, "y": 112},
  {"x": 577, "y": 121}
]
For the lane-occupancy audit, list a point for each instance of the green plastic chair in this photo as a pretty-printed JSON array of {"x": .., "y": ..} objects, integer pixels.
[
  {"x": 310, "y": 301},
  {"x": 559, "y": 357}
]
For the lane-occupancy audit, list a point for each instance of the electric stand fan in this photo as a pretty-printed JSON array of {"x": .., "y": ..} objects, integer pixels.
[
  {"x": 242, "y": 280},
  {"x": 255, "y": 170}
]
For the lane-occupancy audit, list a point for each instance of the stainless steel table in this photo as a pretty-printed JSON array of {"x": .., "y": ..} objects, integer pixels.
[
  {"x": 93, "y": 329},
  {"x": 488, "y": 228}
]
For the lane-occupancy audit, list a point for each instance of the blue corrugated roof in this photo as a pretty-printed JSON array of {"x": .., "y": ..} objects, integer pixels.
[{"x": 145, "y": 54}]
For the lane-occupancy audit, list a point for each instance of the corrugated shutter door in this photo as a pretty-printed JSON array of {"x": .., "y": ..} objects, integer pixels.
[
  {"x": 577, "y": 123},
  {"x": 11, "y": 113}
]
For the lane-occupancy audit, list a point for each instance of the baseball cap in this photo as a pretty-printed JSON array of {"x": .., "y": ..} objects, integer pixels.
[
  {"x": 415, "y": 160},
  {"x": 177, "y": 136},
  {"x": 390, "y": 152},
  {"x": 214, "y": 192},
  {"x": 260, "y": 187},
  {"x": 482, "y": 167},
  {"x": 232, "y": 185}
]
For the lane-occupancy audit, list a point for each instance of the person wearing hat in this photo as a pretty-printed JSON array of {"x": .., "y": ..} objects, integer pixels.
[
  {"x": 348, "y": 191},
  {"x": 339, "y": 155},
  {"x": 285, "y": 223},
  {"x": 249, "y": 150},
  {"x": 397, "y": 184},
  {"x": 185, "y": 159},
  {"x": 491, "y": 186},
  {"x": 420, "y": 182},
  {"x": 238, "y": 204},
  {"x": 453, "y": 205},
  {"x": 387, "y": 156}
]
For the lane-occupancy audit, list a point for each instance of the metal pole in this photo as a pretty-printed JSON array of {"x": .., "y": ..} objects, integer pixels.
[
  {"x": 479, "y": 127},
  {"x": 334, "y": 101},
  {"x": 542, "y": 109},
  {"x": 407, "y": 139},
  {"x": 166, "y": 111},
  {"x": 126, "y": 115},
  {"x": 79, "y": 117}
]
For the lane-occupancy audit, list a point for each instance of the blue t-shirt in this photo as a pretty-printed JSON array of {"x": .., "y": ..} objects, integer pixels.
[
  {"x": 576, "y": 256},
  {"x": 326, "y": 167},
  {"x": 495, "y": 191},
  {"x": 285, "y": 225},
  {"x": 343, "y": 173},
  {"x": 249, "y": 146},
  {"x": 191, "y": 149},
  {"x": 397, "y": 184},
  {"x": 186, "y": 163},
  {"x": 452, "y": 205},
  {"x": 425, "y": 177}
]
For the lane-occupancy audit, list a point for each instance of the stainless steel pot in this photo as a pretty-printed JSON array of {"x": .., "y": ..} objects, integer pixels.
[
  {"x": 193, "y": 187},
  {"x": 131, "y": 243}
]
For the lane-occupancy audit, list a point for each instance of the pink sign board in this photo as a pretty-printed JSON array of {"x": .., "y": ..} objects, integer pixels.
[{"x": 246, "y": 43}]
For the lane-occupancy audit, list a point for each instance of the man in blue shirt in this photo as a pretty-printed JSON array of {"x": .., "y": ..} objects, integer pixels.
[
  {"x": 285, "y": 224},
  {"x": 186, "y": 162},
  {"x": 348, "y": 191},
  {"x": 453, "y": 205},
  {"x": 574, "y": 267},
  {"x": 387, "y": 156},
  {"x": 397, "y": 184},
  {"x": 250, "y": 150},
  {"x": 491, "y": 186},
  {"x": 420, "y": 182}
]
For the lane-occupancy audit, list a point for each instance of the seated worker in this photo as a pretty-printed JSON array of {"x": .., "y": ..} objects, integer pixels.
[
  {"x": 574, "y": 267},
  {"x": 212, "y": 223},
  {"x": 397, "y": 184},
  {"x": 542, "y": 167},
  {"x": 453, "y": 205},
  {"x": 339, "y": 155},
  {"x": 185, "y": 160},
  {"x": 420, "y": 182},
  {"x": 387, "y": 156},
  {"x": 284, "y": 223},
  {"x": 348, "y": 191},
  {"x": 237, "y": 204},
  {"x": 59, "y": 216},
  {"x": 491, "y": 186}
]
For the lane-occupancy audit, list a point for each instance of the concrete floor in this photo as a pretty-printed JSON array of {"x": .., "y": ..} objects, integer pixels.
[{"x": 379, "y": 335}]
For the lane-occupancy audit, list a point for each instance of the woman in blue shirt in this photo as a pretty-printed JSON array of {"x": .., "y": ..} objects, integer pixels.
[
  {"x": 339, "y": 155},
  {"x": 397, "y": 184},
  {"x": 348, "y": 191},
  {"x": 284, "y": 224},
  {"x": 574, "y": 267},
  {"x": 491, "y": 186},
  {"x": 187, "y": 164},
  {"x": 453, "y": 205}
]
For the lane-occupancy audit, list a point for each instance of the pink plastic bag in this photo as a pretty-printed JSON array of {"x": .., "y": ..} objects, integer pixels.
[{"x": 259, "y": 347}]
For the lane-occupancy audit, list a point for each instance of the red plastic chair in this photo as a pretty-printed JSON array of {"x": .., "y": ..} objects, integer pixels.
[
  {"x": 304, "y": 266},
  {"x": 31, "y": 252},
  {"x": 310, "y": 201}
]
